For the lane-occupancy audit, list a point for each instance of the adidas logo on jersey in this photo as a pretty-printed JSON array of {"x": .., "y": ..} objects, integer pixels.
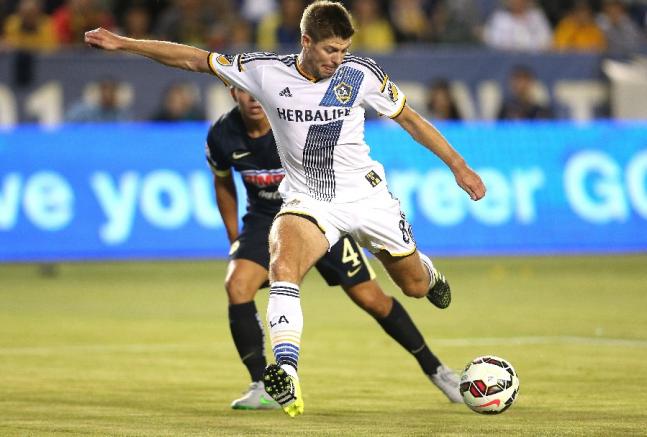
[{"x": 285, "y": 93}]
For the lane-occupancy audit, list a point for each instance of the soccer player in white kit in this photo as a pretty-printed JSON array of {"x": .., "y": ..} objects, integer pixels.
[{"x": 315, "y": 103}]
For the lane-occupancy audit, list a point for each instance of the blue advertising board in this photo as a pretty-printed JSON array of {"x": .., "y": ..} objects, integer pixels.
[
  {"x": 144, "y": 190},
  {"x": 552, "y": 187}
]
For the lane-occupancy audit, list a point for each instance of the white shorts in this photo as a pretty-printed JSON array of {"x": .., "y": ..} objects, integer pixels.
[{"x": 376, "y": 222}]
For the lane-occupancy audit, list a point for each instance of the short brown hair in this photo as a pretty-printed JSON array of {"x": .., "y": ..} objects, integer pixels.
[{"x": 326, "y": 19}]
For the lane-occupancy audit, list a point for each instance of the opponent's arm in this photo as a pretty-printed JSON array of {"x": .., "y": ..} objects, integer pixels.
[
  {"x": 426, "y": 134},
  {"x": 227, "y": 201},
  {"x": 168, "y": 53}
]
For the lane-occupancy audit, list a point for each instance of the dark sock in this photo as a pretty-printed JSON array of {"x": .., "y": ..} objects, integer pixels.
[
  {"x": 247, "y": 332},
  {"x": 399, "y": 325}
]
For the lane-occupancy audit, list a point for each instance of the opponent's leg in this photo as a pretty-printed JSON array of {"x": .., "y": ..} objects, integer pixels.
[
  {"x": 416, "y": 275},
  {"x": 243, "y": 280},
  {"x": 295, "y": 245},
  {"x": 396, "y": 322}
]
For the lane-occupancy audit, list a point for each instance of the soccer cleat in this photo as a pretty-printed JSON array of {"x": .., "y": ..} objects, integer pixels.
[
  {"x": 439, "y": 294},
  {"x": 448, "y": 382},
  {"x": 255, "y": 398},
  {"x": 284, "y": 389}
]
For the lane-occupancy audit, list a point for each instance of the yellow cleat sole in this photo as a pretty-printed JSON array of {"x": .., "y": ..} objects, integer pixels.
[{"x": 279, "y": 384}]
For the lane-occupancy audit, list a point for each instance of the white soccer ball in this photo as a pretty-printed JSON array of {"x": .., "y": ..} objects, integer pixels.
[{"x": 489, "y": 385}]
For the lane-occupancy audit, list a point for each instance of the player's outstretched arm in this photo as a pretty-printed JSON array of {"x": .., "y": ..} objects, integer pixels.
[
  {"x": 168, "y": 53},
  {"x": 426, "y": 134},
  {"x": 227, "y": 202}
]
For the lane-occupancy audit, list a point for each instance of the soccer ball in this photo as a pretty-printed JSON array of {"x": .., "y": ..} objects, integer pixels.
[{"x": 489, "y": 385}]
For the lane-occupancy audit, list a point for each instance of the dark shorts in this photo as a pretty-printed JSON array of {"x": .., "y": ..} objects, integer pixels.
[{"x": 345, "y": 264}]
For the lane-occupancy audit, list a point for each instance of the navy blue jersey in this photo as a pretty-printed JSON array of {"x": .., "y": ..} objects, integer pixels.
[{"x": 256, "y": 159}]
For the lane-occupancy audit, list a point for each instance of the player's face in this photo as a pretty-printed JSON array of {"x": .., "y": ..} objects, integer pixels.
[
  {"x": 322, "y": 59},
  {"x": 248, "y": 105}
]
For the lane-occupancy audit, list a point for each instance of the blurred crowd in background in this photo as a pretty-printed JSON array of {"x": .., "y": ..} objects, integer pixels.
[
  {"x": 617, "y": 28},
  {"x": 601, "y": 26}
]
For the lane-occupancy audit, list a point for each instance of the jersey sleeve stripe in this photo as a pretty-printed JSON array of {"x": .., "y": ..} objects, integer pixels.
[
  {"x": 371, "y": 65},
  {"x": 217, "y": 171},
  {"x": 257, "y": 56},
  {"x": 260, "y": 58},
  {"x": 384, "y": 82},
  {"x": 251, "y": 55},
  {"x": 223, "y": 173},
  {"x": 288, "y": 60},
  {"x": 399, "y": 111}
]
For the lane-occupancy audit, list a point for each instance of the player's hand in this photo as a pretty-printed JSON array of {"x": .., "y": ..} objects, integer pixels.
[
  {"x": 471, "y": 182},
  {"x": 101, "y": 38}
]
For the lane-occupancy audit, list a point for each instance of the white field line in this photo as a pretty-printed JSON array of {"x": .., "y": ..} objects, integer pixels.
[
  {"x": 103, "y": 348},
  {"x": 558, "y": 340},
  {"x": 449, "y": 342}
]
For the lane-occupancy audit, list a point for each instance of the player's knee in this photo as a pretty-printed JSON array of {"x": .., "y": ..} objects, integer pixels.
[
  {"x": 376, "y": 306},
  {"x": 238, "y": 291},
  {"x": 283, "y": 271},
  {"x": 370, "y": 297}
]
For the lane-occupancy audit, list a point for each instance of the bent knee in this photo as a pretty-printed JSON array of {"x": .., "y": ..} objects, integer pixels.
[
  {"x": 239, "y": 291},
  {"x": 283, "y": 271}
]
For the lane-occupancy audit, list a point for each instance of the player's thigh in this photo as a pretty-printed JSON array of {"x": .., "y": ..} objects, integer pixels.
[
  {"x": 408, "y": 272},
  {"x": 244, "y": 278},
  {"x": 296, "y": 243}
]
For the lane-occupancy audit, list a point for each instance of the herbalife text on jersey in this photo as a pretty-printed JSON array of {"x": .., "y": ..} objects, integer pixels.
[{"x": 308, "y": 115}]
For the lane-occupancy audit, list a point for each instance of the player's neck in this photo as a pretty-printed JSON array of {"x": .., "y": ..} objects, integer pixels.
[
  {"x": 256, "y": 128},
  {"x": 305, "y": 68}
]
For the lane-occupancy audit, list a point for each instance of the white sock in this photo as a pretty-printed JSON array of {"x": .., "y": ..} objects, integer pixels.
[
  {"x": 285, "y": 321},
  {"x": 430, "y": 267}
]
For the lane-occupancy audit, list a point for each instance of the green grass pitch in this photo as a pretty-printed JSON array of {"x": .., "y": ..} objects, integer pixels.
[{"x": 144, "y": 349}]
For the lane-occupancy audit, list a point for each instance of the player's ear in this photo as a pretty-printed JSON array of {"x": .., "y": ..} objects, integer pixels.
[
  {"x": 306, "y": 41},
  {"x": 232, "y": 92}
]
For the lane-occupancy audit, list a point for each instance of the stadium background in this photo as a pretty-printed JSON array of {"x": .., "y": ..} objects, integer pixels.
[{"x": 79, "y": 182}]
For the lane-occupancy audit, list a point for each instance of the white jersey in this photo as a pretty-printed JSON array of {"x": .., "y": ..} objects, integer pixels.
[{"x": 318, "y": 125}]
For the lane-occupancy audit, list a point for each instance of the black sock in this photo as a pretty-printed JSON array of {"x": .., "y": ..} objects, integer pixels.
[
  {"x": 247, "y": 332},
  {"x": 399, "y": 325}
]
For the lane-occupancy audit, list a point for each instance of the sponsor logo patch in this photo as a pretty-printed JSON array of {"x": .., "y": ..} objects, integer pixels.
[
  {"x": 393, "y": 92},
  {"x": 292, "y": 204},
  {"x": 239, "y": 155},
  {"x": 352, "y": 273},
  {"x": 225, "y": 60},
  {"x": 263, "y": 178},
  {"x": 373, "y": 178}
]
